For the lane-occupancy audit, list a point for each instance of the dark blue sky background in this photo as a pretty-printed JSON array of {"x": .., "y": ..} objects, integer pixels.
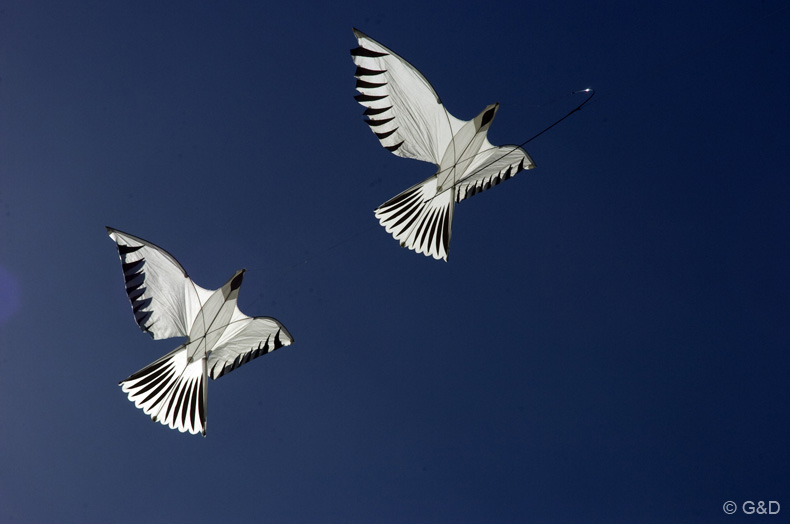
[{"x": 607, "y": 343}]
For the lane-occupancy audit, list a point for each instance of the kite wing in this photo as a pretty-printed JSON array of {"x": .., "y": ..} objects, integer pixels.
[
  {"x": 490, "y": 167},
  {"x": 164, "y": 299},
  {"x": 403, "y": 109},
  {"x": 244, "y": 339}
]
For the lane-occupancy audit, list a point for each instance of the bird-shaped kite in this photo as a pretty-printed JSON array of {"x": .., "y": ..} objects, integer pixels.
[
  {"x": 167, "y": 303},
  {"x": 409, "y": 119}
]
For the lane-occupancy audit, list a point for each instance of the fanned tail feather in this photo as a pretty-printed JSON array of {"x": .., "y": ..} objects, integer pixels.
[
  {"x": 420, "y": 219},
  {"x": 172, "y": 391}
]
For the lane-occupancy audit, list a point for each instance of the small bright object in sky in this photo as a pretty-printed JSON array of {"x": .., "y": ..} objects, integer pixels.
[
  {"x": 409, "y": 119},
  {"x": 167, "y": 303}
]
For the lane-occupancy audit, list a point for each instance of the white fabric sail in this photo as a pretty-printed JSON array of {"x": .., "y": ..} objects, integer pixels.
[
  {"x": 167, "y": 303},
  {"x": 408, "y": 118}
]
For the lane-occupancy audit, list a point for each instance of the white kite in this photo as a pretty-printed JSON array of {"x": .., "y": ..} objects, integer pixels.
[
  {"x": 409, "y": 119},
  {"x": 167, "y": 303}
]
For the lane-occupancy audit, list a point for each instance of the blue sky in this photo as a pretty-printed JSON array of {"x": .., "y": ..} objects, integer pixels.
[{"x": 608, "y": 341}]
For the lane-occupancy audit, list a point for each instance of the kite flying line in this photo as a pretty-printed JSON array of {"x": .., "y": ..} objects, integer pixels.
[{"x": 577, "y": 108}]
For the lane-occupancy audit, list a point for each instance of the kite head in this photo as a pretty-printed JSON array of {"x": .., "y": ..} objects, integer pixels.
[
  {"x": 235, "y": 282},
  {"x": 484, "y": 119}
]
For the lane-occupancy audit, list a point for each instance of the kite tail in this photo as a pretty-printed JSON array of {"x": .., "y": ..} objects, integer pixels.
[
  {"x": 172, "y": 391},
  {"x": 420, "y": 218}
]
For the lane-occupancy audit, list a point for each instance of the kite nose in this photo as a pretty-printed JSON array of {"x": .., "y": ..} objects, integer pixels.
[
  {"x": 489, "y": 115},
  {"x": 236, "y": 282}
]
